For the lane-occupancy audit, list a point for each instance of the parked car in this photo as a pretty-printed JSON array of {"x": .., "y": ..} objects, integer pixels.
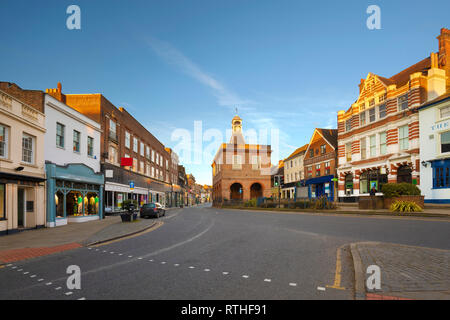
[{"x": 152, "y": 209}]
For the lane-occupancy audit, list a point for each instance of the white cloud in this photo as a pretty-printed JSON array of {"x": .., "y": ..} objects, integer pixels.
[{"x": 175, "y": 58}]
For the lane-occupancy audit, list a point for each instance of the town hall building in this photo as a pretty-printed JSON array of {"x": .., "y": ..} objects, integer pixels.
[{"x": 241, "y": 171}]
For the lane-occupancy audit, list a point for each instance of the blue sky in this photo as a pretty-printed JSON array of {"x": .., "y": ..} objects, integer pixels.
[{"x": 287, "y": 65}]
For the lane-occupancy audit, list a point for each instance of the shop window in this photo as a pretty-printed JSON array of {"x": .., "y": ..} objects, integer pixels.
[
  {"x": 441, "y": 174},
  {"x": 59, "y": 204},
  {"x": 370, "y": 179},
  {"x": 91, "y": 202},
  {"x": 349, "y": 184},
  {"x": 74, "y": 203},
  {"x": 404, "y": 174},
  {"x": 2, "y": 201}
]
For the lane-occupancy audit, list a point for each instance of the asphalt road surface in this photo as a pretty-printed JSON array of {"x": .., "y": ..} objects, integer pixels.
[{"x": 208, "y": 253}]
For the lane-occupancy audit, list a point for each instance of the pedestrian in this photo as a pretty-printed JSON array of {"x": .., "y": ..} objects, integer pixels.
[{"x": 373, "y": 191}]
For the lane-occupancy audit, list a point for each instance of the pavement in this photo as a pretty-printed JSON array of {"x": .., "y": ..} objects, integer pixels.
[
  {"x": 407, "y": 272},
  {"x": 40, "y": 242}
]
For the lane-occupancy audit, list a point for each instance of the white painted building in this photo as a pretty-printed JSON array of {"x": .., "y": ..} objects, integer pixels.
[
  {"x": 72, "y": 159},
  {"x": 69, "y": 136},
  {"x": 434, "y": 119}
]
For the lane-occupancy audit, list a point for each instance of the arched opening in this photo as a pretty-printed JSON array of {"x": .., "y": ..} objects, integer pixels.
[
  {"x": 236, "y": 191},
  {"x": 349, "y": 184},
  {"x": 255, "y": 191},
  {"x": 404, "y": 174}
]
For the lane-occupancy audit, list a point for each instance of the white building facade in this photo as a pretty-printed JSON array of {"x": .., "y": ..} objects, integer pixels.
[
  {"x": 72, "y": 156},
  {"x": 434, "y": 118}
]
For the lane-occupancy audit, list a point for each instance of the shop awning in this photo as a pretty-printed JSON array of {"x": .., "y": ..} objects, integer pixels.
[{"x": 319, "y": 180}]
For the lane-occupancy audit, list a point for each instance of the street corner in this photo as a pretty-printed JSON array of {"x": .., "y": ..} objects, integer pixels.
[
  {"x": 385, "y": 271},
  {"x": 8, "y": 256}
]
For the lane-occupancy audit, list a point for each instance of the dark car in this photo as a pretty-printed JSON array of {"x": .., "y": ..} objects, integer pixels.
[{"x": 152, "y": 210}]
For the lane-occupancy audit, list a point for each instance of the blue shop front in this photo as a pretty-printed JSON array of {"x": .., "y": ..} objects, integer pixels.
[
  {"x": 74, "y": 194},
  {"x": 321, "y": 186}
]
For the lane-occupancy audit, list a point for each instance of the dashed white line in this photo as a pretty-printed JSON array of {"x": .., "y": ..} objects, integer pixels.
[
  {"x": 321, "y": 288},
  {"x": 48, "y": 284},
  {"x": 26, "y": 272},
  {"x": 151, "y": 260},
  {"x": 58, "y": 288},
  {"x": 207, "y": 270},
  {"x": 33, "y": 276},
  {"x": 18, "y": 270},
  {"x": 163, "y": 262},
  {"x": 120, "y": 254},
  {"x": 176, "y": 264},
  {"x": 39, "y": 280},
  {"x": 68, "y": 293},
  {"x": 112, "y": 252},
  {"x": 267, "y": 280},
  {"x": 82, "y": 298},
  {"x": 130, "y": 256},
  {"x": 245, "y": 276},
  {"x": 225, "y": 273},
  {"x": 293, "y": 284},
  {"x": 14, "y": 267},
  {"x": 140, "y": 258},
  {"x": 191, "y": 267}
]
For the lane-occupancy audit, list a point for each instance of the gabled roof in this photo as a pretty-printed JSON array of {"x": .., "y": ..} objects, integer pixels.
[
  {"x": 297, "y": 151},
  {"x": 331, "y": 135}
]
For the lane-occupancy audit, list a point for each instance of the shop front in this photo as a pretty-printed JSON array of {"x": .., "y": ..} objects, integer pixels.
[
  {"x": 74, "y": 194},
  {"x": 21, "y": 203},
  {"x": 321, "y": 186}
]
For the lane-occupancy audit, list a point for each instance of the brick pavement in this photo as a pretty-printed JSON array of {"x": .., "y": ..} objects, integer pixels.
[{"x": 407, "y": 271}]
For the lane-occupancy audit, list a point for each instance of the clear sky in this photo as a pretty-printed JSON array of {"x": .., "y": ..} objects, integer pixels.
[{"x": 286, "y": 65}]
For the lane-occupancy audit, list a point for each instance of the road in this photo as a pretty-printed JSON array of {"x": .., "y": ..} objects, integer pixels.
[{"x": 208, "y": 253}]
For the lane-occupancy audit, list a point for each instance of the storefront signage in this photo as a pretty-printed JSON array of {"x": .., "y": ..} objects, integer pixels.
[
  {"x": 440, "y": 126},
  {"x": 109, "y": 173}
]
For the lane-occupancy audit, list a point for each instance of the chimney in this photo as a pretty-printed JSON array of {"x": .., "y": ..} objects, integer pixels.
[
  {"x": 444, "y": 53},
  {"x": 436, "y": 80},
  {"x": 57, "y": 93}
]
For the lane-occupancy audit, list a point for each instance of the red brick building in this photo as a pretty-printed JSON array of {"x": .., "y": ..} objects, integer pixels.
[
  {"x": 123, "y": 136},
  {"x": 378, "y": 136},
  {"x": 241, "y": 171},
  {"x": 319, "y": 163}
]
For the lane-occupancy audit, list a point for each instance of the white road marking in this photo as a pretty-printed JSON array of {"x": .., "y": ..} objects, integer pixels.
[
  {"x": 14, "y": 267},
  {"x": 321, "y": 288},
  {"x": 267, "y": 280},
  {"x": 176, "y": 264},
  {"x": 151, "y": 260},
  {"x": 82, "y": 298},
  {"x": 105, "y": 251},
  {"x": 19, "y": 270},
  {"x": 191, "y": 267},
  {"x": 120, "y": 254},
  {"x": 163, "y": 262},
  {"x": 9, "y": 265},
  {"x": 140, "y": 258},
  {"x": 48, "y": 284},
  {"x": 293, "y": 284},
  {"x": 39, "y": 280},
  {"x": 68, "y": 293},
  {"x": 26, "y": 272},
  {"x": 225, "y": 273},
  {"x": 207, "y": 270},
  {"x": 130, "y": 256},
  {"x": 33, "y": 276},
  {"x": 58, "y": 288},
  {"x": 245, "y": 276},
  {"x": 89, "y": 248},
  {"x": 112, "y": 252}
]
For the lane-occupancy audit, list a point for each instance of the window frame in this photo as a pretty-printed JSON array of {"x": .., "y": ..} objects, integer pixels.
[
  {"x": 402, "y": 100},
  {"x": 76, "y": 133},
  {"x": 33, "y": 139},
  {"x": 89, "y": 138},
  {"x": 62, "y": 138},
  {"x": 401, "y": 140},
  {"x": 5, "y": 142}
]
